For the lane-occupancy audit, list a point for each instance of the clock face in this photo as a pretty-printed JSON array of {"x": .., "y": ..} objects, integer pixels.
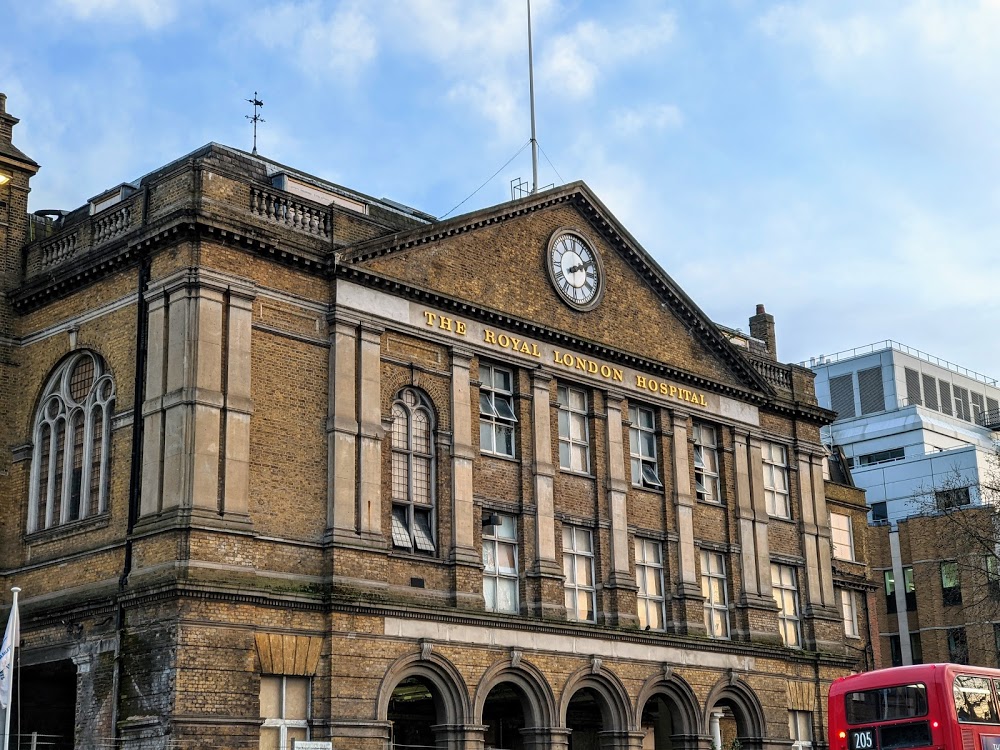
[{"x": 575, "y": 269}]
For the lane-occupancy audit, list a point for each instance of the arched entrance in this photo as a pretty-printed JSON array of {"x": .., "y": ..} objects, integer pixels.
[
  {"x": 586, "y": 717},
  {"x": 505, "y": 714},
  {"x": 735, "y": 716},
  {"x": 413, "y": 711},
  {"x": 668, "y": 715}
]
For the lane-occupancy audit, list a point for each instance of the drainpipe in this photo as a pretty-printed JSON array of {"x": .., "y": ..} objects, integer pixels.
[{"x": 135, "y": 470}]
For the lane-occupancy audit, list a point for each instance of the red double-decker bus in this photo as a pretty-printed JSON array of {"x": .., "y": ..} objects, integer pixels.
[{"x": 939, "y": 706}]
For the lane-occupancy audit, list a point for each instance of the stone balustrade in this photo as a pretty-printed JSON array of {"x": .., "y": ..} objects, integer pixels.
[{"x": 289, "y": 211}]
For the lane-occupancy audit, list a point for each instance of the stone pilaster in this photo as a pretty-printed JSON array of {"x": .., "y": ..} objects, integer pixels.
[
  {"x": 370, "y": 431},
  {"x": 689, "y": 611},
  {"x": 197, "y": 408},
  {"x": 342, "y": 428},
  {"x": 546, "y": 600},
  {"x": 621, "y": 585}
]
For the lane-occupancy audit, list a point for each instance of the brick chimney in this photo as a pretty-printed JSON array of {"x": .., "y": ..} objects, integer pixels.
[{"x": 762, "y": 327}]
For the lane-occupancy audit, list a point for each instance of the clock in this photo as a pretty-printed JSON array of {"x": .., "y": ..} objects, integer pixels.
[{"x": 575, "y": 270}]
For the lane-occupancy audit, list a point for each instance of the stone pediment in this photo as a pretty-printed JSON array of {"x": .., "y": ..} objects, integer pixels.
[{"x": 496, "y": 260}]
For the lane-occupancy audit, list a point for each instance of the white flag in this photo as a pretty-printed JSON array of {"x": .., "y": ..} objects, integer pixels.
[{"x": 11, "y": 639}]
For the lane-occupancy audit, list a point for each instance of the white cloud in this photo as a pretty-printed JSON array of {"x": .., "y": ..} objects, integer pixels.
[
  {"x": 334, "y": 45},
  {"x": 630, "y": 122},
  {"x": 152, "y": 14},
  {"x": 574, "y": 62}
]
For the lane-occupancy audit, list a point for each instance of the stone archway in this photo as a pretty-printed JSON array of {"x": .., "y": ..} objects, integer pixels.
[
  {"x": 733, "y": 714},
  {"x": 595, "y": 709},
  {"x": 514, "y": 704},
  {"x": 667, "y": 714},
  {"x": 424, "y": 700}
]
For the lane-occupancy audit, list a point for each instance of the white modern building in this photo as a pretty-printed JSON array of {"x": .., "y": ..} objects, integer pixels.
[{"x": 918, "y": 431}]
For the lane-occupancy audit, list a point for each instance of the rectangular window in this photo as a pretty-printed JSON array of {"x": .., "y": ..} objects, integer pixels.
[
  {"x": 706, "y": 463},
  {"x": 849, "y": 608},
  {"x": 649, "y": 579},
  {"x": 786, "y": 595},
  {"x": 958, "y": 646},
  {"x": 880, "y": 512},
  {"x": 713, "y": 589},
  {"x": 951, "y": 592},
  {"x": 895, "y": 651},
  {"x": 842, "y": 536},
  {"x": 800, "y": 729},
  {"x": 574, "y": 443},
  {"x": 578, "y": 569},
  {"x": 496, "y": 410},
  {"x": 974, "y": 700},
  {"x": 500, "y": 565},
  {"x": 776, "y": 480},
  {"x": 642, "y": 447},
  {"x": 909, "y": 590},
  {"x": 916, "y": 649},
  {"x": 893, "y": 454},
  {"x": 284, "y": 707},
  {"x": 993, "y": 575},
  {"x": 953, "y": 497}
]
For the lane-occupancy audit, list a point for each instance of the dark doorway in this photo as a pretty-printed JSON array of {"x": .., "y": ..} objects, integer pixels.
[
  {"x": 658, "y": 724},
  {"x": 413, "y": 711},
  {"x": 504, "y": 717},
  {"x": 585, "y": 719},
  {"x": 44, "y": 698}
]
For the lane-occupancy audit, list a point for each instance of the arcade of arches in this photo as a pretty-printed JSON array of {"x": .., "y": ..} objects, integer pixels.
[{"x": 426, "y": 705}]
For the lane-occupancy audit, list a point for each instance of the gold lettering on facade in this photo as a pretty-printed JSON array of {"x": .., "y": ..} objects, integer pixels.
[
  {"x": 569, "y": 361},
  {"x": 671, "y": 391},
  {"x": 444, "y": 323}
]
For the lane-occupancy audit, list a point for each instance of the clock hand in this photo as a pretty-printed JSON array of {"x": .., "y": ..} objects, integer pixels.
[{"x": 581, "y": 266}]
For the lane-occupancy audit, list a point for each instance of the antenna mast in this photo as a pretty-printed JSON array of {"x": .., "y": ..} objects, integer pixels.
[
  {"x": 256, "y": 118},
  {"x": 531, "y": 94}
]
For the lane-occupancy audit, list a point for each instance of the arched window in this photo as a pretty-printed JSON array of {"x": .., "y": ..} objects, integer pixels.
[
  {"x": 412, "y": 473},
  {"x": 72, "y": 435}
]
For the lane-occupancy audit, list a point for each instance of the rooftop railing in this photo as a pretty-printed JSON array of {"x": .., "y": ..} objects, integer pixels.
[{"x": 827, "y": 359}]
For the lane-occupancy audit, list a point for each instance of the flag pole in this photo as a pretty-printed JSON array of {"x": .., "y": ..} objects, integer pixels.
[{"x": 13, "y": 632}]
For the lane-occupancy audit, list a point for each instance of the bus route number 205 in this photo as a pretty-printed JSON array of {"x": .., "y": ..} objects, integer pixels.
[{"x": 863, "y": 739}]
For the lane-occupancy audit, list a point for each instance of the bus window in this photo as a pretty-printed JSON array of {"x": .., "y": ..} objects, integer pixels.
[
  {"x": 886, "y": 704},
  {"x": 974, "y": 701}
]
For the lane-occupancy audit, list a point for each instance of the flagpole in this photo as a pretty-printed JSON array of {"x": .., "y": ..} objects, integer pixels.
[{"x": 15, "y": 634}]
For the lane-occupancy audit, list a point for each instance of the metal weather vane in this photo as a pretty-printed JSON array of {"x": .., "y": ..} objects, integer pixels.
[{"x": 255, "y": 119}]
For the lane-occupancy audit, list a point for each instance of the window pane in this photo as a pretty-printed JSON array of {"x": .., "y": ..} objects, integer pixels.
[
  {"x": 648, "y": 445},
  {"x": 490, "y": 591},
  {"x": 504, "y": 409},
  {"x": 507, "y": 595},
  {"x": 505, "y": 440},
  {"x": 583, "y": 540},
  {"x": 296, "y": 698},
  {"x": 579, "y": 462},
  {"x": 506, "y": 563},
  {"x": 584, "y": 605},
  {"x": 486, "y": 404},
  {"x": 269, "y": 738},
  {"x": 564, "y": 460},
  {"x": 569, "y": 568},
  {"x": 655, "y": 619},
  {"x": 577, "y": 400},
  {"x": 270, "y": 697},
  {"x": 578, "y": 427},
  {"x": 563, "y": 424},
  {"x": 489, "y": 556},
  {"x": 486, "y": 436},
  {"x": 653, "y": 582},
  {"x": 583, "y": 571}
]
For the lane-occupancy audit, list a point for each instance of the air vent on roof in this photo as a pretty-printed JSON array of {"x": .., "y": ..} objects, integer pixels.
[
  {"x": 945, "y": 397},
  {"x": 962, "y": 403},
  {"x": 912, "y": 387},
  {"x": 842, "y": 395},
  {"x": 871, "y": 390},
  {"x": 930, "y": 392}
]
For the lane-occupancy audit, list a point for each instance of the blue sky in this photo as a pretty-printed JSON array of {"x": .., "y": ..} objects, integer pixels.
[{"x": 837, "y": 161}]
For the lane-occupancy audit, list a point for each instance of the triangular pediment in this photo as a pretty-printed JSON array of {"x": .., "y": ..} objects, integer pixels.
[{"x": 494, "y": 260}]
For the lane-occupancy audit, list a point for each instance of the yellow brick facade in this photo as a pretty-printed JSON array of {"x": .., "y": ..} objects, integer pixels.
[{"x": 262, "y": 527}]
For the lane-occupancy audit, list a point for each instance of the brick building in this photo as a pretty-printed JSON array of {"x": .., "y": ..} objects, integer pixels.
[{"x": 283, "y": 460}]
